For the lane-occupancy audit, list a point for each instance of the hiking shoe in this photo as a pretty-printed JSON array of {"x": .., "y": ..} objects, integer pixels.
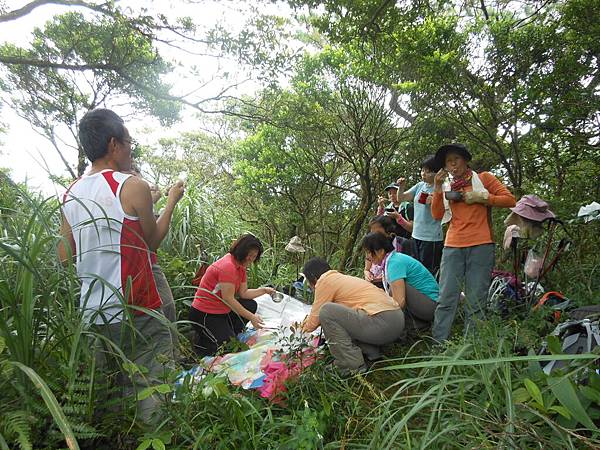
[
  {"x": 370, "y": 362},
  {"x": 346, "y": 372}
]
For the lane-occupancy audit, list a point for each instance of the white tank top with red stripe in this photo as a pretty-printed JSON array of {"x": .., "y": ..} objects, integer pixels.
[{"x": 112, "y": 259}]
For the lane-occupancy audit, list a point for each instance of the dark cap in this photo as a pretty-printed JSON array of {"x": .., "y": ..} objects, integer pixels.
[
  {"x": 391, "y": 186},
  {"x": 461, "y": 149}
]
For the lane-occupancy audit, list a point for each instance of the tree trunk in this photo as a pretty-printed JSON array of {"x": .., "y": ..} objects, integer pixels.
[
  {"x": 81, "y": 162},
  {"x": 357, "y": 223}
]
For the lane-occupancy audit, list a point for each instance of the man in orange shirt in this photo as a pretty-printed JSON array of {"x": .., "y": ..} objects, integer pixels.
[
  {"x": 464, "y": 200},
  {"x": 356, "y": 316}
]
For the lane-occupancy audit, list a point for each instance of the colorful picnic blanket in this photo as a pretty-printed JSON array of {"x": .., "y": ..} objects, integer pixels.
[{"x": 275, "y": 354}]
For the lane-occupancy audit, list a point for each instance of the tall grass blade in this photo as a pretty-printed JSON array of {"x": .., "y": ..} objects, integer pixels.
[
  {"x": 3, "y": 444},
  {"x": 477, "y": 362}
]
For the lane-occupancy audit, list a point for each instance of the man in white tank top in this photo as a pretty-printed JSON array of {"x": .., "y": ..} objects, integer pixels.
[{"x": 109, "y": 231}]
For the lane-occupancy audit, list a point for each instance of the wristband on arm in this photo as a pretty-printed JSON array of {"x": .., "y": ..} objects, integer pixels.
[{"x": 401, "y": 220}]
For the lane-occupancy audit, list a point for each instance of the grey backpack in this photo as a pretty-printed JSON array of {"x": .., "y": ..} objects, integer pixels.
[{"x": 576, "y": 337}]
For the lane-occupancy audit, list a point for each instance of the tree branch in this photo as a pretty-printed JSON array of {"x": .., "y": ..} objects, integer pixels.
[
  {"x": 484, "y": 9},
  {"x": 376, "y": 15},
  {"x": 22, "y": 61},
  {"x": 395, "y": 106},
  {"x": 21, "y": 12}
]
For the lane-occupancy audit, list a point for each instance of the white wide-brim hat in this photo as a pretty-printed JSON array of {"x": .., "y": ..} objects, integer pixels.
[{"x": 295, "y": 245}]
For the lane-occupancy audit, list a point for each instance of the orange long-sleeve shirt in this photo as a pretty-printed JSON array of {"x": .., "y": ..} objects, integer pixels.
[
  {"x": 471, "y": 224},
  {"x": 355, "y": 293}
]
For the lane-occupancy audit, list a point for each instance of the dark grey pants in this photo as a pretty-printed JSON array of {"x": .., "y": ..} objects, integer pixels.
[
  {"x": 145, "y": 341},
  {"x": 473, "y": 266},
  {"x": 418, "y": 304},
  {"x": 350, "y": 333},
  {"x": 419, "y": 311}
]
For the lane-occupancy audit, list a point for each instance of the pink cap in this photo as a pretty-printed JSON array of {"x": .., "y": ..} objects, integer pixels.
[{"x": 533, "y": 208}]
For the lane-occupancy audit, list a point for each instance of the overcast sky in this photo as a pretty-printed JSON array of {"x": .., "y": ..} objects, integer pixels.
[{"x": 30, "y": 156}]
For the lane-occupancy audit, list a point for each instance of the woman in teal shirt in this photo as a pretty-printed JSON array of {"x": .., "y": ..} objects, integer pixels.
[{"x": 409, "y": 283}]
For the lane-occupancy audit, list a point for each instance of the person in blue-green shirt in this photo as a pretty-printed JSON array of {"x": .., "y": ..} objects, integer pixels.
[{"x": 405, "y": 279}]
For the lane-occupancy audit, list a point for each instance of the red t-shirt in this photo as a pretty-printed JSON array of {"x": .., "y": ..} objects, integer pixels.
[{"x": 224, "y": 270}]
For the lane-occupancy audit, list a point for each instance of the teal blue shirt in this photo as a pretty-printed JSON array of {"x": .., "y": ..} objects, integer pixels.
[{"x": 403, "y": 267}]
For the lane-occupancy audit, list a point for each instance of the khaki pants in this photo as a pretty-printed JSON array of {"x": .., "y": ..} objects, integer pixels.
[
  {"x": 165, "y": 293},
  {"x": 167, "y": 304}
]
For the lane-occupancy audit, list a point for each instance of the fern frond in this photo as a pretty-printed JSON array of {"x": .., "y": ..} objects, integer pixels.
[{"x": 16, "y": 426}]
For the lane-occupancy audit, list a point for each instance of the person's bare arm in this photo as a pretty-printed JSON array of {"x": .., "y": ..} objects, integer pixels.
[
  {"x": 137, "y": 201},
  {"x": 404, "y": 196},
  {"x": 404, "y": 223},
  {"x": 380, "y": 205},
  {"x": 65, "y": 254},
  {"x": 367, "y": 272},
  {"x": 244, "y": 292},
  {"x": 400, "y": 220},
  {"x": 399, "y": 292},
  {"x": 164, "y": 221},
  {"x": 228, "y": 296}
]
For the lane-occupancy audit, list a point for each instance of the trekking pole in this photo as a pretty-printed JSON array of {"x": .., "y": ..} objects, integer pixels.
[
  {"x": 515, "y": 251},
  {"x": 563, "y": 245}
]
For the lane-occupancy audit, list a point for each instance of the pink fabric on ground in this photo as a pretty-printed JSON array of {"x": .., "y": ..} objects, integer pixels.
[
  {"x": 266, "y": 345},
  {"x": 280, "y": 368}
]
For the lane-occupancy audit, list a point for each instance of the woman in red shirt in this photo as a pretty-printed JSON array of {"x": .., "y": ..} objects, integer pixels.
[{"x": 217, "y": 314}]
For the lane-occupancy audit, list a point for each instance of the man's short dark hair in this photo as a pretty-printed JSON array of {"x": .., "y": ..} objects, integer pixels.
[
  {"x": 429, "y": 162},
  {"x": 243, "y": 245},
  {"x": 314, "y": 268},
  {"x": 96, "y": 129},
  {"x": 373, "y": 242}
]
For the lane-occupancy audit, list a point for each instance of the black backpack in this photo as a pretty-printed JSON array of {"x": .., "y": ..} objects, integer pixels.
[{"x": 585, "y": 312}]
